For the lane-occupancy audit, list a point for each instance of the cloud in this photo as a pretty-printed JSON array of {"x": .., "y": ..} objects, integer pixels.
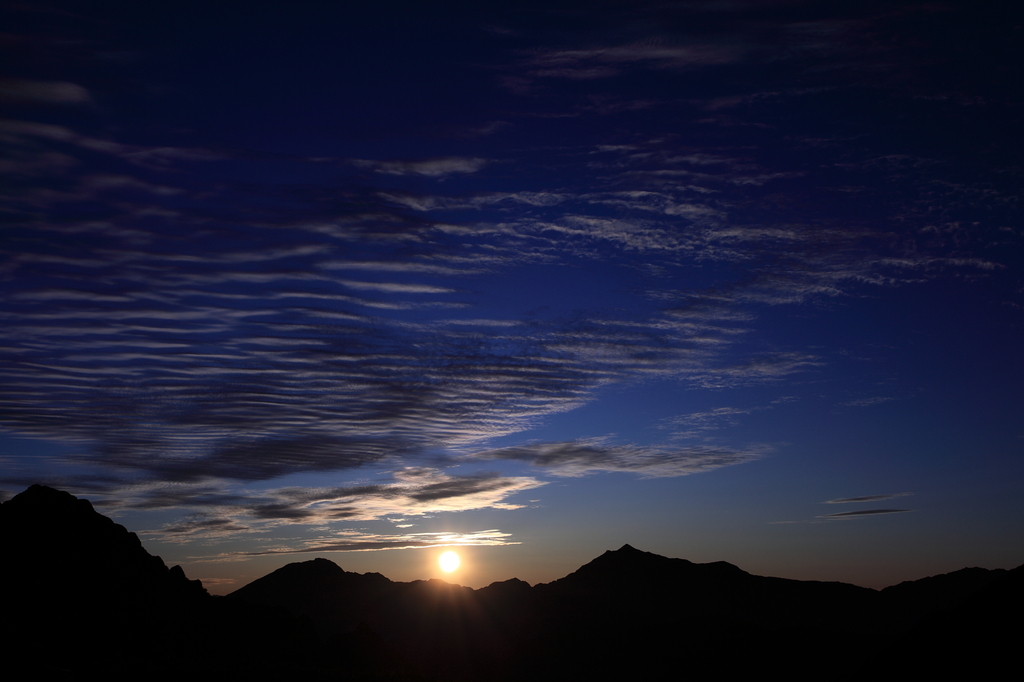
[
  {"x": 183, "y": 330},
  {"x": 476, "y": 486},
  {"x": 244, "y": 358},
  {"x": 315, "y": 514},
  {"x": 221, "y": 510},
  {"x": 262, "y": 458},
  {"x": 863, "y": 512},
  {"x": 699, "y": 423},
  {"x": 477, "y": 201},
  {"x": 759, "y": 369},
  {"x": 396, "y": 287},
  {"x": 367, "y": 542},
  {"x": 712, "y": 415},
  {"x": 136, "y": 155},
  {"x": 105, "y": 182},
  {"x": 867, "y": 498},
  {"x": 433, "y": 168},
  {"x": 413, "y": 491},
  {"x": 438, "y": 268},
  {"x": 200, "y": 524},
  {"x": 865, "y": 402},
  {"x": 46, "y": 92},
  {"x": 579, "y": 458},
  {"x": 605, "y": 62}
]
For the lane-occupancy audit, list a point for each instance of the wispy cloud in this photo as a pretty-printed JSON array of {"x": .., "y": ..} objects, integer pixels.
[
  {"x": 867, "y": 498},
  {"x": 863, "y": 512},
  {"x": 49, "y": 92},
  {"x": 701, "y": 424},
  {"x": 365, "y": 542},
  {"x": 433, "y": 168},
  {"x": 865, "y": 402},
  {"x": 221, "y": 510},
  {"x": 607, "y": 61},
  {"x": 201, "y": 524},
  {"x": 763, "y": 368},
  {"x": 579, "y": 458},
  {"x": 18, "y": 132}
]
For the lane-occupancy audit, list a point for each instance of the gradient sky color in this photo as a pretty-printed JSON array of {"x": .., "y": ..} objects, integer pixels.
[{"x": 733, "y": 280}]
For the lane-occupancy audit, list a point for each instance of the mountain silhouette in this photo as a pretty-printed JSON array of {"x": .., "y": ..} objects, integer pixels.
[
  {"x": 625, "y": 612},
  {"x": 77, "y": 554},
  {"x": 82, "y": 597},
  {"x": 85, "y": 599},
  {"x": 978, "y": 636}
]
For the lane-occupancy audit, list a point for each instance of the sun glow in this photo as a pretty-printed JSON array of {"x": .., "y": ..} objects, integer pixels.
[{"x": 449, "y": 561}]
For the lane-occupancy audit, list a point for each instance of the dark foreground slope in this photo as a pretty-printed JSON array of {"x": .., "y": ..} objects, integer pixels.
[
  {"x": 82, "y": 597},
  {"x": 85, "y": 598},
  {"x": 978, "y": 636}
]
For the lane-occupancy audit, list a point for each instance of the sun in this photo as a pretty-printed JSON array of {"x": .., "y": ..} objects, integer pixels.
[{"x": 449, "y": 561}]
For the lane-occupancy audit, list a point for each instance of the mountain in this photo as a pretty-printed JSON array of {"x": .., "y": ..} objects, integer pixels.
[
  {"x": 72, "y": 554},
  {"x": 83, "y": 598},
  {"x": 978, "y": 636},
  {"x": 626, "y": 612},
  {"x": 69, "y": 569},
  {"x": 448, "y": 630}
]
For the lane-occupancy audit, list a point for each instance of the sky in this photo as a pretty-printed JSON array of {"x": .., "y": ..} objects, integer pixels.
[{"x": 736, "y": 280}]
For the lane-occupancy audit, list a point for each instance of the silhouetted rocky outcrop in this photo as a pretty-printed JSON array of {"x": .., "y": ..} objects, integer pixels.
[
  {"x": 85, "y": 598},
  {"x": 73, "y": 554}
]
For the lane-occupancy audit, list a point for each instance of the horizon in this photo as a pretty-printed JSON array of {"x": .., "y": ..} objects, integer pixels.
[
  {"x": 626, "y": 547},
  {"x": 314, "y": 617},
  {"x": 735, "y": 282},
  {"x": 451, "y": 576}
]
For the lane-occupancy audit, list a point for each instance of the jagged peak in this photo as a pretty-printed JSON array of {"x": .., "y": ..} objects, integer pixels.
[
  {"x": 624, "y": 551},
  {"x": 630, "y": 553}
]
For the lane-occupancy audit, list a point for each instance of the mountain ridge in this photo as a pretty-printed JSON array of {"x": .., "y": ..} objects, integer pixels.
[{"x": 317, "y": 618}]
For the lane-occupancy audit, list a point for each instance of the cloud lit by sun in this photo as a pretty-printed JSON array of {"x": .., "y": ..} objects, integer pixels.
[{"x": 449, "y": 561}]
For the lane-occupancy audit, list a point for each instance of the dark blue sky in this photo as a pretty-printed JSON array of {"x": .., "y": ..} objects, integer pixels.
[{"x": 724, "y": 280}]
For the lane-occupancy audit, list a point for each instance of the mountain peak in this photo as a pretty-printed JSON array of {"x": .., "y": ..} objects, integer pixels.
[
  {"x": 320, "y": 565},
  {"x": 48, "y": 528},
  {"x": 630, "y": 554},
  {"x": 40, "y": 499},
  {"x": 315, "y": 577},
  {"x": 317, "y": 566}
]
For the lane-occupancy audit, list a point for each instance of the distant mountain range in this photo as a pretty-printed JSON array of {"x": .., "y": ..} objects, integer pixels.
[{"x": 85, "y": 597}]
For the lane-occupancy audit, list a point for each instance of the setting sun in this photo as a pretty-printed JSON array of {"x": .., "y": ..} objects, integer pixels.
[{"x": 449, "y": 561}]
